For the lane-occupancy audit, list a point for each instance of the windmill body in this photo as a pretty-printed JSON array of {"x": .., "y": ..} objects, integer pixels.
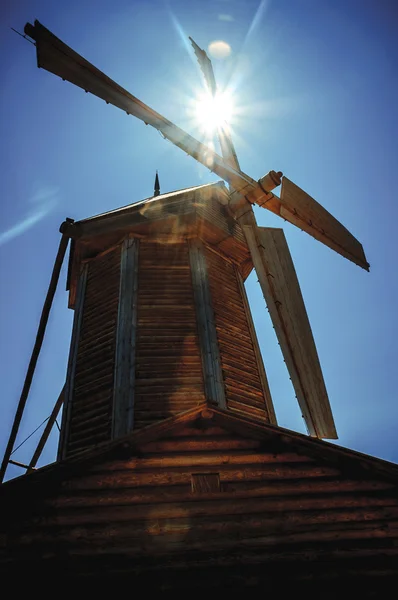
[{"x": 172, "y": 470}]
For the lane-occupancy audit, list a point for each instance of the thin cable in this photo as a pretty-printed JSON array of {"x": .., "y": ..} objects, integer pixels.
[
  {"x": 29, "y": 436},
  {"x": 56, "y": 422},
  {"x": 23, "y": 36}
]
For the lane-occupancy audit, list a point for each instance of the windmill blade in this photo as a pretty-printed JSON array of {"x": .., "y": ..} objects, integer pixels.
[
  {"x": 224, "y": 135},
  {"x": 206, "y": 66},
  {"x": 282, "y": 294},
  {"x": 58, "y": 58},
  {"x": 300, "y": 209}
]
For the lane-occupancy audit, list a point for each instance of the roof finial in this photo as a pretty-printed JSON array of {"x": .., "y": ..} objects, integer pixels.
[{"x": 157, "y": 185}]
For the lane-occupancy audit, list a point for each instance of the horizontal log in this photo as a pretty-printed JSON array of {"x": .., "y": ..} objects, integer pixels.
[
  {"x": 123, "y": 523},
  {"x": 178, "y": 477},
  {"x": 192, "y": 458},
  {"x": 170, "y": 536},
  {"x": 183, "y": 445},
  {"x": 325, "y": 493}
]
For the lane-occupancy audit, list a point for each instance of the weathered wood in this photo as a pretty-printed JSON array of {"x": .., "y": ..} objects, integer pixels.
[
  {"x": 289, "y": 316},
  {"x": 124, "y": 379},
  {"x": 205, "y": 483},
  {"x": 299, "y": 208},
  {"x": 167, "y": 337},
  {"x": 211, "y": 363},
  {"x": 77, "y": 322},
  {"x": 92, "y": 383},
  {"x": 234, "y": 333}
]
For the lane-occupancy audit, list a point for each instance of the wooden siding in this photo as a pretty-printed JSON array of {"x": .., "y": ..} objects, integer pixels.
[
  {"x": 243, "y": 385},
  {"x": 169, "y": 376},
  {"x": 275, "y": 513},
  {"x": 92, "y": 398}
]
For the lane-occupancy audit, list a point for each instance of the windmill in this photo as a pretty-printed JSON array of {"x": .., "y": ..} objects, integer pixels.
[{"x": 268, "y": 249}]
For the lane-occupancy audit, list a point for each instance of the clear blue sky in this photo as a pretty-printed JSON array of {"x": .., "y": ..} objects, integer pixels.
[{"x": 317, "y": 82}]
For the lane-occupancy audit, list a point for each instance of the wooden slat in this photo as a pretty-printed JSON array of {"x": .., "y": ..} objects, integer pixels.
[
  {"x": 235, "y": 336},
  {"x": 77, "y": 323},
  {"x": 90, "y": 414},
  {"x": 168, "y": 377},
  {"x": 210, "y": 353},
  {"x": 123, "y": 396},
  {"x": 299, "y": 208}
]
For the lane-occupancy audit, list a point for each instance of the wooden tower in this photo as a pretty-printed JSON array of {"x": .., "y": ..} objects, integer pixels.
[
  {"x": 162, "y": 323},
  {"x": 172, "y": 473}
]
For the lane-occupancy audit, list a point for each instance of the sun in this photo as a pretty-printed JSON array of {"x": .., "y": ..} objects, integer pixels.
[{"x": 210, "y": 112}]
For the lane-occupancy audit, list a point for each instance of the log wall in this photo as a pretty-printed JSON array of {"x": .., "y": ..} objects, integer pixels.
[{"x": 212, "y": 508}]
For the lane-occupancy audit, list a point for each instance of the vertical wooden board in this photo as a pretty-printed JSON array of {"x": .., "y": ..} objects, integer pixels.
[
  {"x": 211, "y": 363},
  {"x": 123, "y": 398},
  {"x": 90, "y": 417},
  {"x": 293, "y": 329},
  {"x": 243, "y": 385},
  {"x": 70, "y": 376},
  {"x": 168, "y": 376},
  {"x": 299, "y": 208}
]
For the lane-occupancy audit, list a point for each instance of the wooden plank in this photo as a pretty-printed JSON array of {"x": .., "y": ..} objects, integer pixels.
[
  {"x": 299, "y": 208},
  {"x": 257, "y": 352},
  {"x": 70, "y": 376},
  {"x": 281, "y": 289},
  {"x": 332, "y": 493},
  {"x": 211, "y": 363},
  {"x": 123, "y": 397},
  {"x": 94, "y": 373},
  {"x": 235, "y": 338}
]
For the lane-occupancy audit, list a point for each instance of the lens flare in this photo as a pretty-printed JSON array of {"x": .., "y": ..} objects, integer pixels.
[{"x": 212, "y": 111}]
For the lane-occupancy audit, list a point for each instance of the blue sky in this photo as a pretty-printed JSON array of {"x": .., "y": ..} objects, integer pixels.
[{"x": 316, "y": 83}]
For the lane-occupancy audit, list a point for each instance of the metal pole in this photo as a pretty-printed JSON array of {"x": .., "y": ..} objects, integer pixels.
[
  {"x": 47, "y": 431},
  {"x": 63, "y": 244}
]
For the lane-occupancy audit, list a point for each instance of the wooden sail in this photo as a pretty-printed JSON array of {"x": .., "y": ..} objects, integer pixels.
[{"x": 289, "y": 316}]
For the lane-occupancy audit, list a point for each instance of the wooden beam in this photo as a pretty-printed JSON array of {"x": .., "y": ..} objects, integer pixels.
[
  {"x": 63, "y": 244},
  {"x": 123, "y": 398},
  {"x": 18, "y": 464},
  {"x": 77, "y": 321},
  {"x": 211, "y": 361},
  {"x": 47, "y": 431}
]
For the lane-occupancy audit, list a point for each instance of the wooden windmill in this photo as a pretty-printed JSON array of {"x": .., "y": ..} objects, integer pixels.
[
  {"x": 172, "y": 473},
  {"x": 245, "y": 245}
]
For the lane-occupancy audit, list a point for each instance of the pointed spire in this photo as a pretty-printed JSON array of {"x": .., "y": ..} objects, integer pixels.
[{"x": 157, "y": 185}]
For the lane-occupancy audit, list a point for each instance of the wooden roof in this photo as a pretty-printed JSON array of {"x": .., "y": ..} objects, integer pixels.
[
  {"x": 200, "y": 211},
  {"x": 328, "y": 452}
]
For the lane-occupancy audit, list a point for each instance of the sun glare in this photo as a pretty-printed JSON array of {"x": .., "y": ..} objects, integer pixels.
[{"x": 212, "y": 111}]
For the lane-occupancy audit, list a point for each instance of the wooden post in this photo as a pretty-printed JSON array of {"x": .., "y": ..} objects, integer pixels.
[
  {"x": 77, "y": 321},
  {"x": 123, "y": 398},
  {"x": 47, "y": 431},
  {"x": 37, "y": 346},
  {"x": 211, "y": 362}
]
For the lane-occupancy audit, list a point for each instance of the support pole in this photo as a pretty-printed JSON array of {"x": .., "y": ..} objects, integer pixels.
[
  {"x": 47, "y": 431},
  {"x": 18, "y": 464},
  {"x": 63, "y": 244}
]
